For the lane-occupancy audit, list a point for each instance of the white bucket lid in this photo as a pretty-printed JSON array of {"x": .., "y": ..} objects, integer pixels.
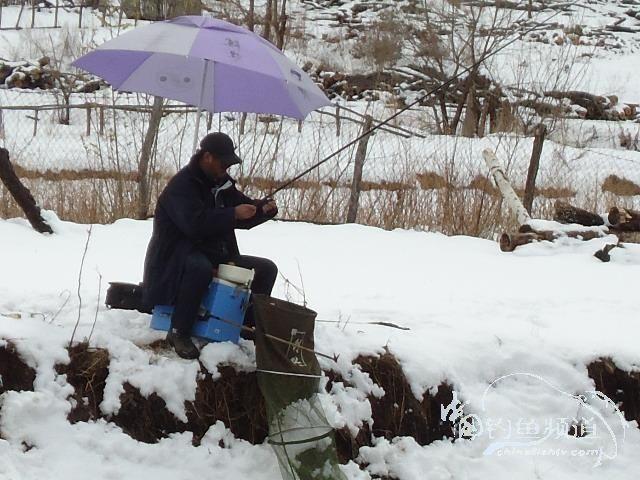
[{"x": 234, "y": 274}]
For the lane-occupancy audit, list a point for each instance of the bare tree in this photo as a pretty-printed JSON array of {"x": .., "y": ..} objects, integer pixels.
[{"x": 453, "y": 37}]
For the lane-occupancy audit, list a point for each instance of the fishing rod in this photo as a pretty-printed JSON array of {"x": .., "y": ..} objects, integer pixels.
[{"x": 408, "y": 107}]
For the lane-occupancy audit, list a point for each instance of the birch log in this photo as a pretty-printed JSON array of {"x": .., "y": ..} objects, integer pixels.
[{"x": 507, "y": 192}]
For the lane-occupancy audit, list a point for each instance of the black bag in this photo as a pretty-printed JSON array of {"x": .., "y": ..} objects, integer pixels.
[{"x": 126, "y": 296}]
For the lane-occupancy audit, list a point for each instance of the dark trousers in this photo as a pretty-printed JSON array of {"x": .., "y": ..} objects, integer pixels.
[{"x": 196, "y": 277}]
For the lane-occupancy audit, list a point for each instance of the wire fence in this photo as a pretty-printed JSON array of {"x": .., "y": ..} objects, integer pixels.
[
  {"x": 80, "y": 158},
  {"x": 19, "y": 14}
]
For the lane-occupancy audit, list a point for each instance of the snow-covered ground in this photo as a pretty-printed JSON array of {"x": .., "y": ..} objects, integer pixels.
[{"x": 477, "y": 317}]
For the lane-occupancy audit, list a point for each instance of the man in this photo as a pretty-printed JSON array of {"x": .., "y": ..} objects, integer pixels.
[{"x": 193, "y": 232}]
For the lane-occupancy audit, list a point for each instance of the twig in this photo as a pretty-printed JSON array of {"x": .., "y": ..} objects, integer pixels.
[
  {"x": 382, "y": 324},
  {"x": 64, "y": 304},
  {"x": 304, "y": 296},
  {"x": 84, "y": 254},
  {"x": 95, "y": 319}
]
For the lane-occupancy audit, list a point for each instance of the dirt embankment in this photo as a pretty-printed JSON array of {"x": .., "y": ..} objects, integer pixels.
[{"x": 234, "y": 398}]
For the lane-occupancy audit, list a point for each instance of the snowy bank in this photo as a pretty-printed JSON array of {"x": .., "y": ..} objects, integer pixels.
[{"x": 477, "y": 317}]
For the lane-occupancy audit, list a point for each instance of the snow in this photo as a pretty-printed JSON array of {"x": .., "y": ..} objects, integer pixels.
[
  {"x": 475, "y": 314},
  {"x": 478, "y": 319}
]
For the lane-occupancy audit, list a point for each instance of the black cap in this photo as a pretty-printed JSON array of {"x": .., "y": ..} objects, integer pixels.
[{"x": 220, "y": 146}]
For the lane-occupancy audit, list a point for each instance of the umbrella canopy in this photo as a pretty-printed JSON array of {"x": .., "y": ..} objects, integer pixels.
[{"x": 208, "y": 63}]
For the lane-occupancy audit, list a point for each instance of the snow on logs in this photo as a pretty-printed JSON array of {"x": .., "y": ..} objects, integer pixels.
[{"x": 574, "y": 222}]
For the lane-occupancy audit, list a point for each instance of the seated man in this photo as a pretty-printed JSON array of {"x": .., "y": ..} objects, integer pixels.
[{"x": 193, "y": 232}]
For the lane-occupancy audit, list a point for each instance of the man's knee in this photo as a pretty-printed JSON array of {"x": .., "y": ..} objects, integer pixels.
[
  {"x": 270, "y": 268},
  {"x": 198, "y": 267}
]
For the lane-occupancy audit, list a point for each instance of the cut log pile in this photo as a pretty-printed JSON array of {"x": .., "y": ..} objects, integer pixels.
[
  {"x": 40, "y": 74},
  {"x": 27, "y": 74}
]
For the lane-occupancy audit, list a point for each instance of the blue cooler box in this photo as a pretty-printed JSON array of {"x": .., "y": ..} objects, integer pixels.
[{"x": 223, "y": 301}]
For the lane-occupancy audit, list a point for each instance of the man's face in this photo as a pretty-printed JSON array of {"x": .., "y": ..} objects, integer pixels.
[{"x": 213, "y": 166}]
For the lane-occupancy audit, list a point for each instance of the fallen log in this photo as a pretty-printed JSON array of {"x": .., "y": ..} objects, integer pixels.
[
  {"x": 567, "y": 213},
  {"x": 532, "y": 230},
  {"x": 624, "y": 220},
  {"x": 21, "y": 194},
  {"x": 526, "y": 234}
]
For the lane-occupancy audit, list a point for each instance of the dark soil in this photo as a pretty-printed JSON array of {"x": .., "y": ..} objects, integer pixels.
[
  {"x": 399, "y": 412},
  {"x": 87, "y": 372},
  {"x": 235, "y": 399},
  {"x": 14, "y": 372},
  {"x": 620, "y": 386}
]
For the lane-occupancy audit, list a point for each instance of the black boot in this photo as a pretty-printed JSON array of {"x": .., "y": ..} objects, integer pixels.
[{"x": 182, "y": 344}]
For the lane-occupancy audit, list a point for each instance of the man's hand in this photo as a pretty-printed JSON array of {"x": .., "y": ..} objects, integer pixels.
[
  {"x": 245, "y": 211},
  {"x": 269, "y": 207}
]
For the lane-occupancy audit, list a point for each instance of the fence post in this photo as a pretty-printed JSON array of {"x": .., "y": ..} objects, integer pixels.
[
  {"x": 55, "y": 16},
  {"x": 20, "y": 14},
  {"x": 243, "y": 120},
  {"x": 361, "y": 155},
  {"x": 101, "y": 120},
  {"x": 35, "y": 122},
  {"x": 80, "y": 15},
  {"x": 530, "y": 187},
  {"x": 337, "y": 120},
  {"x": 88, "y": 132},
  {"x": 33, "y": 13}
]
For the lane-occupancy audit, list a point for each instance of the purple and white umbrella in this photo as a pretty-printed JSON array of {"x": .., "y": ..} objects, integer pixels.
[{"x": 208, "y": 63}]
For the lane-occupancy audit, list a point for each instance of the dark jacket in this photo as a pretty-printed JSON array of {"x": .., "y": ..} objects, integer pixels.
[{"x": 187, "y": 219}]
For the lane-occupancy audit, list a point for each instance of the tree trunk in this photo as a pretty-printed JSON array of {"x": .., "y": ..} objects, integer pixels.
[
  {"x": 252, "y": 12},
  {"x": 472, "y": 115},
  {"x": 463, "y": 100},
  {"x": 21, "y": 194},
  {"x": 144, "y": 182},
  {"x": 282, "y": 25},
  {"x": 509, "y": 195},
  {"x": 267, "y": 20}
]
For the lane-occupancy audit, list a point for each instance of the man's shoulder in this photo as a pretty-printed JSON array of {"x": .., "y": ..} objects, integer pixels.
[{"x": 184, "y": 177}]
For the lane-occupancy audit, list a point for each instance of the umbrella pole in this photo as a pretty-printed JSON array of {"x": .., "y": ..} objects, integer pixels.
[{"x": 197, "y": 130}]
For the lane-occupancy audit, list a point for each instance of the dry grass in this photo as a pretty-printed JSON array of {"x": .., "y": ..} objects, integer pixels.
[
  {"x": 431, "y": 181},
  {"x": 435, "y": 201},
  {"x": 620, "y": 186}
]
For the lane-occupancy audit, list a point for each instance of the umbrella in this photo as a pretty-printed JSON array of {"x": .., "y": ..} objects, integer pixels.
[{"x": 209, "y": 63}]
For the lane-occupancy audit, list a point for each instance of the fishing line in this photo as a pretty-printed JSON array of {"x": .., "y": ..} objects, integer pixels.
[{"x": 411, "y": 105}]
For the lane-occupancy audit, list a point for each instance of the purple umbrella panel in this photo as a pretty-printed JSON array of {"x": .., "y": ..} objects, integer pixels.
[{"x": 208, "y": 63}]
